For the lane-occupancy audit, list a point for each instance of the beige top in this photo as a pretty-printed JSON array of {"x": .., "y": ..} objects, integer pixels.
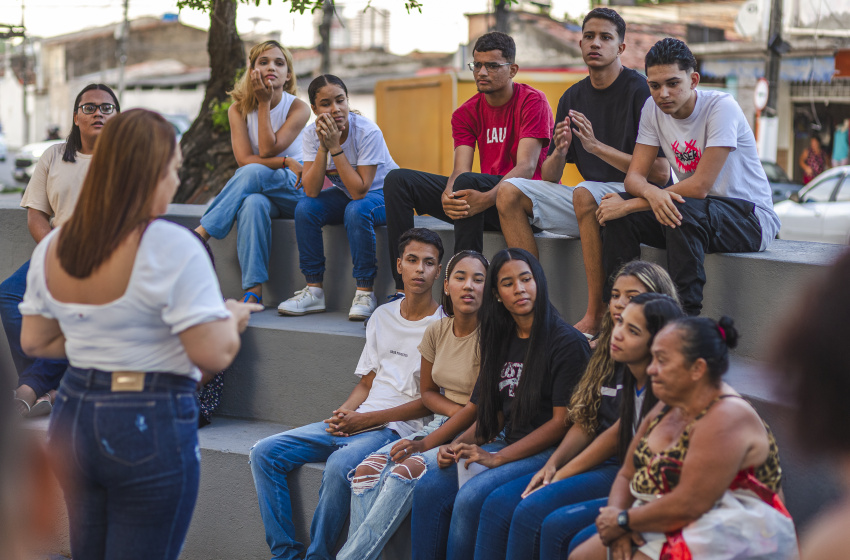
[
  {"x": 455, "y": 359},
  {"x": 55, "y": 184}
]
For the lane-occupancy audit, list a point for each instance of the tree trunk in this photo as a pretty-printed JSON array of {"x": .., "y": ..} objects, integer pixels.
[
  {"x": 502, "y": 15},
  {"x": 325, "y": 36},
  {"x": 208, "y": 161}
]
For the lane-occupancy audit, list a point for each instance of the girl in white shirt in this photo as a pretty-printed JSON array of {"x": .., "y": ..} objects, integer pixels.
[
  {"x": 134, "y": 305},
  {"x": 266, "y": 121}
]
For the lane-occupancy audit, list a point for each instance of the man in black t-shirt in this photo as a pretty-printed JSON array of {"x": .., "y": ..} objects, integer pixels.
[{"x": 595, "y": 128}]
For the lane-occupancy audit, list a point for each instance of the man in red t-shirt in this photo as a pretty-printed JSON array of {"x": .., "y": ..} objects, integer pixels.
[{"x": 510, "y": 123}]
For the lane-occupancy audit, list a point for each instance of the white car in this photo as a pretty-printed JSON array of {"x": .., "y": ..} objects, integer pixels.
[
  {"x": 820, "y": 211},
  {"x": 27, "y": 157}
]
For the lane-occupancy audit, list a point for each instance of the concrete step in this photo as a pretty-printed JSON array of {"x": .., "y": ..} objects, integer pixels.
[{"x": 226, "y": 523}]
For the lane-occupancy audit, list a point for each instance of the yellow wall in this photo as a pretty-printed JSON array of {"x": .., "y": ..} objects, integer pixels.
[{"x": 415, "y": 116}]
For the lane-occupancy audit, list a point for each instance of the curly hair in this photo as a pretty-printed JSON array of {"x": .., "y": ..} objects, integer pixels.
[
  {"x": 671, "y": 51},
  {"x": 497, "y": 41}
]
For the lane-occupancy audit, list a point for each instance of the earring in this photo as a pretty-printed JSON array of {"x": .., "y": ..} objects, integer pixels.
[
  {"x": 447, "y": 293},
  {"x": 499, "y": 300}
]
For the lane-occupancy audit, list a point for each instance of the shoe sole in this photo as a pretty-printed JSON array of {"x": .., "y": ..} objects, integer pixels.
[
  {"x": 299, "y": 313},
  {"x": 359, "y": 317}
]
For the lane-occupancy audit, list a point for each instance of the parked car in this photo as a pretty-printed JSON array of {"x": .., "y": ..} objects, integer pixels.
[
  {"x": 27, "y": 157},
  {"x": 820, "y": 211},
  {"x": 3, "y": 149},
  {"x": 181, "y": 124},
  {"x": 780, "y": 185}
]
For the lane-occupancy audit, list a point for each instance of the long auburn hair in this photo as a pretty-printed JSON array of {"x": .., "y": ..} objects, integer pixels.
[
  {"x": 242, "y": 92},
  {"x": 74, "y": 143},
  {"x": 658, "y": 310},
  {"x": 497, "y": 326},
  {"x": 131, "y": 156},
  {"x": 585, "y": 400}
]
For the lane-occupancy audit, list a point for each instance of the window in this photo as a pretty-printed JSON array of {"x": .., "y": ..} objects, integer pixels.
[
  {"x": 822, "y": 190},
  {"x": 844, "y": 192}
]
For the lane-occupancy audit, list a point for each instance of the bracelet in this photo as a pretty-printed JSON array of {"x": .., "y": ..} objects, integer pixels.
[{"x": 336, "y": 154}]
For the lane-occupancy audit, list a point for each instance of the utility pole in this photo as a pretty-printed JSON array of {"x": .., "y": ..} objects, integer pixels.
[
  {"x": 325, "y": 36},
  {"x": 776, "y": 47},
  {"x": 122, "y": 50},
  {"x": 26, "y": 60}
]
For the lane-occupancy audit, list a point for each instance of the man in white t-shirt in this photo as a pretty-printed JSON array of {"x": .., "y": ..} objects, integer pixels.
[
  {"x": 722, "y": 201},
  {"x": 383, "y": 407}
]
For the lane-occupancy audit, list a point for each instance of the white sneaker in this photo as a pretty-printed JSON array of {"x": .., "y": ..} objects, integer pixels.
[
  {"x": 363, "y": 306},
  {"x": 308, "y": 300}
]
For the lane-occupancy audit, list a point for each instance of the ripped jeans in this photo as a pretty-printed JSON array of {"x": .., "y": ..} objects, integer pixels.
[
  {"x": 129, "y": 463},
  {"x": 380, "y": 502}
]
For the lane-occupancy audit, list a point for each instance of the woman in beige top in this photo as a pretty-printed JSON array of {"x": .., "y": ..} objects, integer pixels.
[
  {"x": 382, "y": 487},
  {"x": 50, "y": 198}
]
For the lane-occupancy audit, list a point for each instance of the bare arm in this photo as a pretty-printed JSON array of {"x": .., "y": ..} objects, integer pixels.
[
  {"x": 42, "y": 337},
  {"x": 241, "y": 143},
  {"x": 463, "y": 158},
  {"x": 213, "y": 346},
  {"x": 553, "y": 165},
  {"x": 38, "y": 224},
  {"x": 572, "y": 444},
  {"x": 602, "y": 448},
  {"x": 273, "y": 142}
]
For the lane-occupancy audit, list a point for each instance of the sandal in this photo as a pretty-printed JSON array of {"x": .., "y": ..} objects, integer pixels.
[
  {"x": 24, "y": 413},
  {"x": 249, "y": 295},
  {"x": 43, "y": 406}
]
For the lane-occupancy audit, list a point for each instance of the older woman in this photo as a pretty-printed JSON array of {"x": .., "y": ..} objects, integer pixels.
[{"x": 679, "y": 497}]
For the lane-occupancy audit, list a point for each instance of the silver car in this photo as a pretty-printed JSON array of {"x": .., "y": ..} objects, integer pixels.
[{"x": 821, "y": 210}]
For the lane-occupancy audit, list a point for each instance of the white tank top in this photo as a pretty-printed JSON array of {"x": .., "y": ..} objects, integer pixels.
[{"x": 278, "y": 116}]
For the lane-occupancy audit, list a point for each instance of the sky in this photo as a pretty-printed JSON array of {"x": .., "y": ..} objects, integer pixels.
[{"x": 440, "y": 27}]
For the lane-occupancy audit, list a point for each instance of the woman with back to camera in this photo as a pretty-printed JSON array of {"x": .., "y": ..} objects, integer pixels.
[
  {"x": 266, "y": 121},
  {"x": 677, "y": 497},
  {"x": 49, "y": 199},
  {"x": 811, "y": 354},
  {"x": 134, "y": 305},
  {"x": 382, "y": 485},
  {"x": 530, "y": 362},
  {"x": 349, "y": 150}
]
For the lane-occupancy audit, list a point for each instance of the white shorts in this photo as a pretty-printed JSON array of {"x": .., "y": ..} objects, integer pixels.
[{"x": 552, "y": 203}]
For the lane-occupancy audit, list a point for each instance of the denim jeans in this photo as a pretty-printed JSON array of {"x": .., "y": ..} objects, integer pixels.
[
  {"x": 38, "y": 374},
  {"x": 377, "y": 512},
  {"x": 129, "y": 463},
  {"x": 512, "y": 529},
  {"x": 554, "y": 543},
  {"x": 715, "y": 224},
  {"x": 444, "y": 519},
  {"x": 273, "y": 458},
  {"x": 360, "y": 217},
  {"x": 253, "y": 197}
]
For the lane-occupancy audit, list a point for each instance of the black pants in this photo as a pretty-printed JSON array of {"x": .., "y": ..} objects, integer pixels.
[
  {"x": 715, "y": 224},
  {"x": 406, "y": 190}
]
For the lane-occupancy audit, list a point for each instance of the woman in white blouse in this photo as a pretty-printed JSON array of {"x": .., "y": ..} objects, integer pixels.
[{"x": 134, "y": 305}]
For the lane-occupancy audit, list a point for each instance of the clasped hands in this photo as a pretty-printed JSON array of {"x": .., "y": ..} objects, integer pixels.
[
  {"x": 454, "y": 452},
  {"x": 329, "y": 133},
  {"x": 344, "y": 422},
  {"x": 465, "y": 203},
  {"x": 614, "y": 537}
]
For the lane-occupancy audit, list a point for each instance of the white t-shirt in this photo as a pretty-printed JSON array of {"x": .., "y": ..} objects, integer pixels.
[
  {"x": 392, "y": 352},
  {"x": 717, "y": 121},
  {"x": 172, "y": 287},
  {"x": 278, "y": 116},
  {"x": 55, "y": 184},
  {"x": 364, "y": 146}
]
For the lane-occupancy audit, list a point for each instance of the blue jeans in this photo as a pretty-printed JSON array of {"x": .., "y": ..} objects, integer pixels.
[
  {"x": 444, "y": 519},
  {"x": 513, "y": 524},
  {"x": 38, "y": 374},
  {"x": 130, "y": 463},
  {"x": 551, "y": 541},
  {"x": 253, "y": 197},
  {"x": 273, "y": 458},
  {"x": 377, "y": 512},
  {"x": 360, "y": 217}
]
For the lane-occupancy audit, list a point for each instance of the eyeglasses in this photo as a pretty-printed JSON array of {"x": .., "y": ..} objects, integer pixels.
[
  {"x": 490, "y": 66},
  {"x": 90, "y": 108}
]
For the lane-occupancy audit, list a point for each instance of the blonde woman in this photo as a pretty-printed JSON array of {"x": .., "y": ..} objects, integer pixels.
[{"x": 266, "y": 121}]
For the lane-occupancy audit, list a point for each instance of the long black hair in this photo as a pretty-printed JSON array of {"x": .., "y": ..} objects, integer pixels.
[
  {"x": 74, "y": 143},
  {"x": 658, "y": 310},
  {"x": 497, "y": 327}
]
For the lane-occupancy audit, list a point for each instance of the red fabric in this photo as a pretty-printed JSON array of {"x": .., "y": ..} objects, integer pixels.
[
  {"x": 497, "y": 130},
  {"x": 677, "y": 549}
]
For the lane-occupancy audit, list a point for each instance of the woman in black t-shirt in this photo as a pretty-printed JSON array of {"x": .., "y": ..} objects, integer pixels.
[{"x": 530, "y": 363}]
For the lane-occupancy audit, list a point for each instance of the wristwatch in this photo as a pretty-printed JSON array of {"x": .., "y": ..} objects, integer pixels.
[{"x": 623, "y": 521}]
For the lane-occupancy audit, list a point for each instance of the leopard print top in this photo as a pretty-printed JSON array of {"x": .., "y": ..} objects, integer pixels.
[{"x": 658, "y": 473}]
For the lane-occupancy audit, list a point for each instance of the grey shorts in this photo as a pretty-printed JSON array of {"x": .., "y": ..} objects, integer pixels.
[{"x": 552, "y": 203}]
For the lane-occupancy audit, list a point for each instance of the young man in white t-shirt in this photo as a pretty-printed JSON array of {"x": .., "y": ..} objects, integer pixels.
[
  {"x": 383, "y": 407},
  {"x": 722, "y": 202}
]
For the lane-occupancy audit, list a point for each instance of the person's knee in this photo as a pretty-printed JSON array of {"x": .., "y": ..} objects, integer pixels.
[
  {"x": 584, "y": 202},
  {"x": 308, "y": 209},
  {"x": 368, "y": 473},
  {"x": 358, "y": 212},
  {"x": 465, "y": 181},
  {"x": 259, "y": 456},
  {"x": 255, "y": 205},
  {"x": 412, "y": 468},
  {"x": 509, "y": 197}
]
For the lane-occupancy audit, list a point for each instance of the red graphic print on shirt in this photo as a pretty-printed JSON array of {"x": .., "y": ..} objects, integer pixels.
[
  {"x": 511, "y": 372},
  {"x": 687, "y": 159}
]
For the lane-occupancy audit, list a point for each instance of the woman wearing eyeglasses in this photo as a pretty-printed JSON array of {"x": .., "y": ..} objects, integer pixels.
[{"x": 50, "y": 198}]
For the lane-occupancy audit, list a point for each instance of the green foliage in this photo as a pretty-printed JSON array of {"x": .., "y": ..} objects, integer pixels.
[
  {"x": 300, "y": 6},
  {"x": 218, "y": 114}
]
